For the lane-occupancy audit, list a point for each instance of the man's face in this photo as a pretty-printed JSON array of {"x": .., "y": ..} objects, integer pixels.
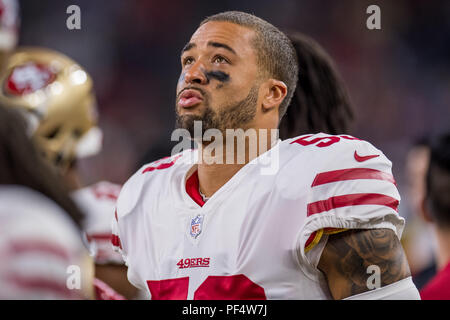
[{"x": 218, "y": 81}]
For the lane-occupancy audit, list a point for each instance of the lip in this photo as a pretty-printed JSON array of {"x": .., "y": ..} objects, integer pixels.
[{"x": 189, "y": 98}]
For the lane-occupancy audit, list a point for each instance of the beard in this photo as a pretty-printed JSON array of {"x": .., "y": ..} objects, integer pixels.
[{"x": 234, "y": 115}]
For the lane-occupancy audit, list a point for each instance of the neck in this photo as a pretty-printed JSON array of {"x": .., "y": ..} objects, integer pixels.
[
  {"x": 72, "y": 180},
  {"x": 212, "y": 177},
  {"x": 221, "y": 162},
  {"x": 443, "y": 247}
]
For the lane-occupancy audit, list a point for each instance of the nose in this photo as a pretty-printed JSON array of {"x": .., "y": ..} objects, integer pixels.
[{"x": 195, "y": 74}]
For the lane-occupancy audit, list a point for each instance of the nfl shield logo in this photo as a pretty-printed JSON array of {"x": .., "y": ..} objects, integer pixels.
[{"x": 196, "y": 226}]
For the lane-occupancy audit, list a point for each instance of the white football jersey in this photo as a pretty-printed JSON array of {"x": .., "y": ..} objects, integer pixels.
[
  {"x": 98, "y": 203},
  {"x": 40, "y": 249},
  {"x": 260, "y": 236}
]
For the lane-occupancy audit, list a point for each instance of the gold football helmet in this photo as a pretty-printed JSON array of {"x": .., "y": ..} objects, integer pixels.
[{"x": 56, "y": 96}]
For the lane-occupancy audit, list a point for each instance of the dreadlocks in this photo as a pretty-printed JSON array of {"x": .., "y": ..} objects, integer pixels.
[
  {"x": 438, "y": 180},
  {"x": 320, "y": 102}
]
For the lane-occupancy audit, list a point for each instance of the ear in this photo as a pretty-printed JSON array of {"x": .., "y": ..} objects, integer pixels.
[
  {"x": 275, "y": 92},
  {"x": 425, "y": 211}
]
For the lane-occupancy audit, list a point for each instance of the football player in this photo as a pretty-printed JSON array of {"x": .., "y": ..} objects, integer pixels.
[
  {"x": 56, "y": 96},
  {"x": 323, "y": 226},
  {"x": 41, "y": 247},
  {"x": 436, "y": 210}
]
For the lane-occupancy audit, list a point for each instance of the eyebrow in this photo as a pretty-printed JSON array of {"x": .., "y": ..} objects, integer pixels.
[
  {"x": 191, "y": 45},
  {"x": 221, "y": 45},
  {"x": 188, "y": 47}
]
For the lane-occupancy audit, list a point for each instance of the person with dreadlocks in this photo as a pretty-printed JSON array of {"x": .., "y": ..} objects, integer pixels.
[
  {"x": 40, "y": 226},
  {"x": 321, "y": 102},
  {"x": 57, "y": 98},
  {"x": 436, "y": 210}
]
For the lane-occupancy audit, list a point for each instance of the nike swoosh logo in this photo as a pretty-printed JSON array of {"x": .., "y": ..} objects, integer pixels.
[{"x": 364, "y": 158}]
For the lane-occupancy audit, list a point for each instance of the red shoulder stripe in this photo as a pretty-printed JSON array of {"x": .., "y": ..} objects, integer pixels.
[
  {"x": 352, "y": 200},
  {"x": 351, "y": 174}
]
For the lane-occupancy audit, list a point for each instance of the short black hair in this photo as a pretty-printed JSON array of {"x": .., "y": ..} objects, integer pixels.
[
  {"x": 275, "y": 53},
  {"x": 321, "y": 102},
  {"x": 438, "y": 180}
]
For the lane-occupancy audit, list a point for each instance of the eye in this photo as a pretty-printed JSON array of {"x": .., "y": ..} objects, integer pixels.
[
  {"x": 53, "y": 133},
  {"x": 219, "y": 60},
  {"x": 187, "y": 61}
]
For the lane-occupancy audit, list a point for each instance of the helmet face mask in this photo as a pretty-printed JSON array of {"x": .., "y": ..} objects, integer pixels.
[{"x": 56, "y": 91}]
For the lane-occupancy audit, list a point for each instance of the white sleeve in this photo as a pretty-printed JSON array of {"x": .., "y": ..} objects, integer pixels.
[
  {"x": 125, "y": 204},
  {"x": 403, "y": 289},
  {"x": 124, "y": 237},
  {"x": 348, "y": 192}
]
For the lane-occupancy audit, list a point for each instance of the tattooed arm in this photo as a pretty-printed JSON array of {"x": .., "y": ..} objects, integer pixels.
[{"x": 347, "y": 255}]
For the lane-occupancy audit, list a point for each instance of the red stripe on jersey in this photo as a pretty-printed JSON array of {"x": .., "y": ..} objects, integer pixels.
[
  {"x": 115, "y": 215},
  {"x": 99, "y": 236},
  {"x": 351, "y": 174},
  {"x": 192, "y": 185},
  {"x": 115, "y": 240},
  {"x": 33, "y": 283},
  {"x": 36, "y": 246},
  {"x": 352, "y": 200}
]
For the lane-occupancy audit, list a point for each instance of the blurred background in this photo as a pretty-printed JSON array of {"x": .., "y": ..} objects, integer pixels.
[{"x": 398, "y": 77}]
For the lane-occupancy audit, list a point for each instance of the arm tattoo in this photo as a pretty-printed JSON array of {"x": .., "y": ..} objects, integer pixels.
[{"x": 347, "y": 256}]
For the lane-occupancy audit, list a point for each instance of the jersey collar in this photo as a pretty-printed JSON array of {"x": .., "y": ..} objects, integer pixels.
[{"x": 192, "y": 189}]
